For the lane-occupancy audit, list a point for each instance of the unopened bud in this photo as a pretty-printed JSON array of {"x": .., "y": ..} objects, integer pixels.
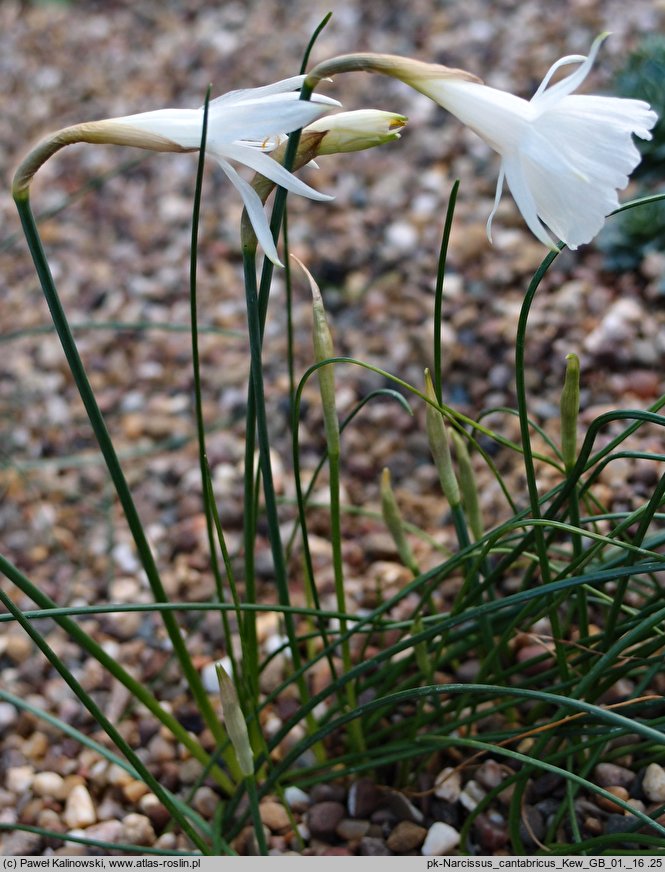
[
  {"x": 356, "y": 130},
  {"x": 393, "y": 521},
  {"x": 324, "y": 349},
  {"x": 439, "y": 446},
  {"x": 570, "y": 407},
  {"x": 234, "y": 720},
  {"x": 468, "y": 487}
]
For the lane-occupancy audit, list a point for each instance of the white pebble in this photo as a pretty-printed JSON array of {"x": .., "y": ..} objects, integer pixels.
[
  {"x": 138, "y": 829},
  {"x": 471, "y": 795},
  {"x": 209, "y": 678},
  {"x": 440, "y": 839},
  {"x": 8, "y": 715},
  {"x": 294, "y": 796},
  {"x": 402, "y": 236},
  {"x": 448, "y": 784},
  {"x": 79, "y": 809},
  {"x": 653, "y": 784},
  {"x": 49, "y": 784},
  {"x": 19, "y": 778}
]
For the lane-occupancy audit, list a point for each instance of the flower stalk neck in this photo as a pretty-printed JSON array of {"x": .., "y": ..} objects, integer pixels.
[
  {"x": 405, "y": 69},
  {"x": 105, "y": 132}
]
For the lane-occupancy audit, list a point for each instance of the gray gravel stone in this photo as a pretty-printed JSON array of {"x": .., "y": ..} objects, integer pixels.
[{"x": 323, "y": 818}]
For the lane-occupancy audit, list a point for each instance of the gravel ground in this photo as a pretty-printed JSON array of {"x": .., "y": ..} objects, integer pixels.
[{"x": 120, "y": 254}]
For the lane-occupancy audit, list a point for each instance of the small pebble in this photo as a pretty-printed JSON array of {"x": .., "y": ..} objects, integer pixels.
[
  {"x": 274, "y": 816},
  {"x": 49, "y": 784},
  {"x": 152, "y": 807},
  {"x": 79, "y": 808},
  {"x": 106, "y": 831},
  {"x": 363, "y": 798},
  {"x": 323, "y": 818},
  {"x": 611, "y": 775},
  {"x": 205, "y": 801},
  {"x": 402, "y": 808},
  {"x": 653, "y": 783},
  {"x": 135, "y": 790},
  {"x": 8, "y": 715},
  {"x": 296, "y": 798},
  {"x": 350, "y": 829},
  {"x": 138, "y": 830},
  {"x": 440, "y": 839},
  {"x": 19, "y": 778},
  {"x": 406, "y": 836},
  {"x": 471, "y": 795},
  {"x": 491, "y": 831},
  {"x": 209, "y": 678},
  {"x": 448, "y": 784},
  {"x": 371, "y": 846},
  {"x": 607, "y": 804},
  {"x": 489, "y": 775}
]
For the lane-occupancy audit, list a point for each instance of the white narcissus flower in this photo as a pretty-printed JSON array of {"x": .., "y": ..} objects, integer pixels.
[
  {"x": 243, "y": 126},
  {"x": 564, "y": 155}
]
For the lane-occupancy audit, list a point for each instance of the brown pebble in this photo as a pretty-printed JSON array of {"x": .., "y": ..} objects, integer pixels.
[
  {"x": 153, "y": 809},
  {"x": 593, "y": 826},
  {"x": 607, "y": 804},
  {"x": 363, "y": 798},
  {"x": 135, "y": 790},
  {"x": 349, "y": 829},
  {"x": 274, "y": 816},
  {"x": 406, "y": 836},
  {"x": 205, "y": 801},
  {"x": 490, "y": 831}
]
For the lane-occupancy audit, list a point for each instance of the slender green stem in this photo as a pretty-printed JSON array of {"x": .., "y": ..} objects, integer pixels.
[
  {"x": 113, "y": 464},
  {"x": 520, "y": 389},
  {"x": 355, "y": 727},
  {"x": 213, "y": 525},
  {"x": 265, "y": 463},
  {"x": 259, "y": 831},
  {"x": 438, "y": 294}
]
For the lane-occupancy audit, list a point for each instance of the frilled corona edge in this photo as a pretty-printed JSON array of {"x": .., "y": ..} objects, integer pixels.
[{"x": 107, "y": 131}]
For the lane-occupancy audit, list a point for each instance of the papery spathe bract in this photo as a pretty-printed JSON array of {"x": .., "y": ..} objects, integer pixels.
[{"x": 564, "y": 155}]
